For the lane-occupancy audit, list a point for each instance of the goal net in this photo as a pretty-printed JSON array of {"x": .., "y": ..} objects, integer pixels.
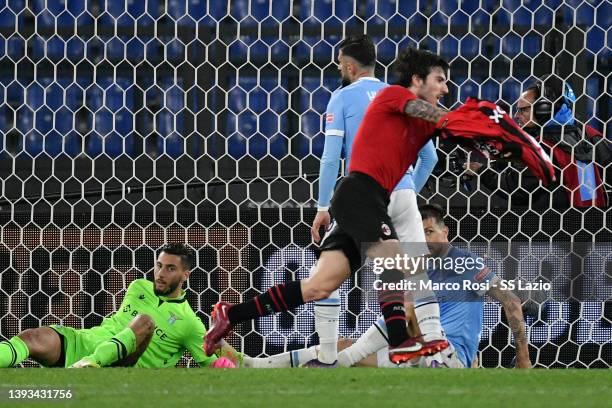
[{"x": 126, "y": 125}]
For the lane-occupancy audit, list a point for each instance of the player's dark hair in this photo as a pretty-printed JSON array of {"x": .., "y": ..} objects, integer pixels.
[
  {"x": 432, "y": 211},
  {"x": 411, "y": 62},
  {"x": 548, "y": 93},
  {"x": 182, "y": 251},
  {"x": 361, "y": 48}
]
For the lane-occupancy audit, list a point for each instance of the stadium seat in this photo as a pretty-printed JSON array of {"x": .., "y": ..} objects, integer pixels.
[
  {"x": 8, "y": 19},
  {"x": 585, "y": 16},
  {"x": 313, "y": 110},
  {"x": 94, "y": 144},
  {"x": 469, "y": 47},
  {"x": 532, "y": 44},
  {"x": 543, "y": 19},
  {"x": 595, "y": 39},
  {"x": 45, "y": 19},
  {"x": 511, "y": 45},
  {"x": 490, "y": 91},
  {"x": 54, "y": 96},
  {"x": 386, "y": 8},
  {"x": 480, "y": 19}
]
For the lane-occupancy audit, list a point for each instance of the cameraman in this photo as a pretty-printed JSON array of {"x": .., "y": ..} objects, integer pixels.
[{"x": 544, "y": 111}]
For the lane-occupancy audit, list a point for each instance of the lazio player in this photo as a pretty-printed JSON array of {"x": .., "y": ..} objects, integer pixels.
[{"x": 153, "y": 327}]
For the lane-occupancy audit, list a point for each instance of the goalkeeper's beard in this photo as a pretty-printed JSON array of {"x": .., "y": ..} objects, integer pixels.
[{"x": 171, "y": 288}]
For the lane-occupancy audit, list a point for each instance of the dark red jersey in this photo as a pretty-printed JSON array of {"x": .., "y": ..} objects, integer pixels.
[{"x": 388, "y": 140}]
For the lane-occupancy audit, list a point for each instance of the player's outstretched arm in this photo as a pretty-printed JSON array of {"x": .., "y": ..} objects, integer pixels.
[
  {"x": 514, "y": 313},
  {"x": 418, "y": 108}
]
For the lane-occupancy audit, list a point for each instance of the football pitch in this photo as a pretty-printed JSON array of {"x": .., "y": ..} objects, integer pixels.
[{"x": 290, "y": 388}]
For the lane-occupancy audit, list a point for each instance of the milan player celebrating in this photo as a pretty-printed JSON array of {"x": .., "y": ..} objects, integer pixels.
[{"x": 397, "y": 124}]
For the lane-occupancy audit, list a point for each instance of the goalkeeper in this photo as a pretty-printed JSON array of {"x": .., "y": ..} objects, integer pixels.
[{"x": 152, "y": 328}]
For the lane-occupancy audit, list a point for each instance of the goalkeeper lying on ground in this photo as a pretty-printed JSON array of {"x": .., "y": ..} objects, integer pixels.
[{"x": 153, "y": 327}]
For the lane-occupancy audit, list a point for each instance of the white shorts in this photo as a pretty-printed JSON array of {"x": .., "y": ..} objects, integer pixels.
[
  {"x": 447, "y": 358},
  {"x": 404, "y": 212}
]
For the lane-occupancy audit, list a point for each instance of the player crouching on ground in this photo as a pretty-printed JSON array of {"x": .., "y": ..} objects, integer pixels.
[{"x": 152, "y": 328}]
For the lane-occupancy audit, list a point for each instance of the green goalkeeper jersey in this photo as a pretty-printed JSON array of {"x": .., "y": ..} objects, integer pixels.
[{"x": 177, "y": 328}]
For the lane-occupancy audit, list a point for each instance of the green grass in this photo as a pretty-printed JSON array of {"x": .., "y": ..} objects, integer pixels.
[{"x": 291, "y": 388}]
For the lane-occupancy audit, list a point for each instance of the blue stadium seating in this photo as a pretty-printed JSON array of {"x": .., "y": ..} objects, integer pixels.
[
  {"x": 532, "y": 44},
  {"x": 311, "y": 136},
  {"x": 490, "y": 90},
  {"x": 8, "y": 19},
  {"x": 469, "y": 47},
  {"x": 585, "y": 16},
  {"x": 511, "y": 90},
  {"x": 604, "y": 15},
  {"x": 469, "y": 88},
  {"x": 543, "y": 19},
  {"x": 480, "y": 18},
  {"x": 257, "y": 127},
  {"x": 595, "y": 39},
  {"x": 511, "y": 45},
  {"x": 449, "y": 47}
]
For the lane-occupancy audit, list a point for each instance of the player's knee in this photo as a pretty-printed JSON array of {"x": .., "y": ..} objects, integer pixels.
[
  {"x": 33, "y": 338},
  {"x": 312, "y": 290}
]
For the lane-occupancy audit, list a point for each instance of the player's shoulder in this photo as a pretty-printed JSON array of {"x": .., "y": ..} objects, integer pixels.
[
  {"x": 141, "y": 284},
  {"x": 394, "y": 90},
  {"x": 363, "y": 84}
]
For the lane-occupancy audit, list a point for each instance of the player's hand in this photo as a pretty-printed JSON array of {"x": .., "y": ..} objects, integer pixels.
[
  {"x": 322, "y": 219},
  {"x": 523, "y": 362}
]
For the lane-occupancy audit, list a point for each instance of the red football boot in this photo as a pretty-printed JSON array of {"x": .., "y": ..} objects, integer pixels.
[{"x": 220, "y": 327}]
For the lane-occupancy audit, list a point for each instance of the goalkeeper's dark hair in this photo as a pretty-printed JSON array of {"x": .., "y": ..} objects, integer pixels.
[
  {"x": 411, "y": 62},
  {"x": 360, "y": 48},
  {"x": 432, "y": 211},
  {"x": 182, "y": 251}
]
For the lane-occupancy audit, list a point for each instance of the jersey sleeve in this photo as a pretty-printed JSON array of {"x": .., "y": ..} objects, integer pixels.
[
  {"x": 194, "y": 343},
  {"x": 334, "y": 116},
  {"x": 328, "y": 172},
  {"x": 425, "y": 164}
]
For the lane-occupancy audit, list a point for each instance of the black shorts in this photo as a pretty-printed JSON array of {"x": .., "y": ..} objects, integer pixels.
[{"x": 359, "y": 207}]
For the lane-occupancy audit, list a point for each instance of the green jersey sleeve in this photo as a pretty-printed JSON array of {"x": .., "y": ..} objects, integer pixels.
[
  {"x": 122, "y": 316},
  {"x": 194, "y": 343}
]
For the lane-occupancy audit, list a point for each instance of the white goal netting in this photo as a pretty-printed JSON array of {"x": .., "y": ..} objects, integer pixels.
[{"x": 125, "y": 125}]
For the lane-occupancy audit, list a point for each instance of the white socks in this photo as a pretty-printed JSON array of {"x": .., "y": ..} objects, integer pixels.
[
  {"x": 428, "y": 317},
  {"x": 283, "y": 360},
  {"x": 370, "y": 342},
  {"x": 327, "y": 315}
]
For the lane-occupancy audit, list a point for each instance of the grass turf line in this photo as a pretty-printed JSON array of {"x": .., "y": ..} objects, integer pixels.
[{"x": 290, "y": 388}]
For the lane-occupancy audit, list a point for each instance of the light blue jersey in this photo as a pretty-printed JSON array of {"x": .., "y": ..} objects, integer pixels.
[
  {"x": 461, "y": 312},
  {"x": 345, "y": 111}
]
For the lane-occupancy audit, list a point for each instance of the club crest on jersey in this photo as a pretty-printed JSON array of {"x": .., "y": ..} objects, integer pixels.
[
  {"x": 173, "y": 318},
  {"x": 384, "y": 228},
  {"x": 329, "y": 118}
]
